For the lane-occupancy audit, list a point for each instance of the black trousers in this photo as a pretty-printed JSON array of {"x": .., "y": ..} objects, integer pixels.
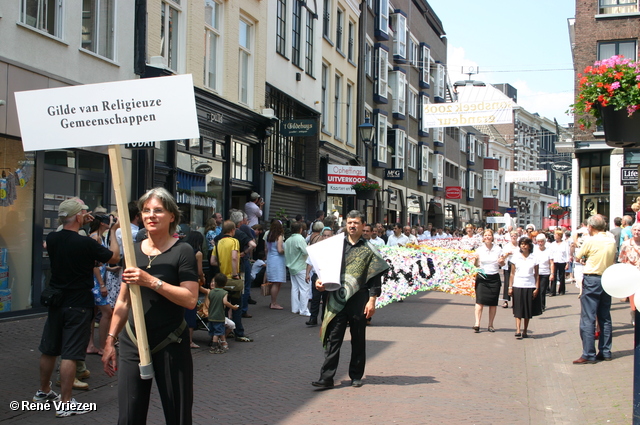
[
  {"x": 505, "y": 287},
  {"x": 316, "y": 297},
  {"x": 173, "y": 368},
  {"x": 353, "y": 316},
  {"x": 559, "y": 280},
  {"x": 542, "y": 293}
]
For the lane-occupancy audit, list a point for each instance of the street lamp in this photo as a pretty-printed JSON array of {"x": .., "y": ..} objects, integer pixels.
[
  {"x": 367, "y": 131},
  {"x": 494, "y": 191}
]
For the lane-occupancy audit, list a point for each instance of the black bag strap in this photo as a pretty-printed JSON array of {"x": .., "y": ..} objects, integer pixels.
[{"x": 173, "y": 337}]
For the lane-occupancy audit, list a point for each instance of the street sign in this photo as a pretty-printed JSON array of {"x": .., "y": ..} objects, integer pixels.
[{"x": 511, "y": 210}]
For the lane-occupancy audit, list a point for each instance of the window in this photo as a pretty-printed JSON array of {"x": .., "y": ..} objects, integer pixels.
[
  {"x": 326, "y": 19},
  {"x": 413, "y": 103},
  {"x": 352, "y": 36},
  {"x": 490, "y": 181},
  {"x": 399, "y": 92},
  {"x": 617, "y": 6},
  {"x": 337, "y": 108},
  {"x": 424, "y": 164},
  {"x": 242, "y": 162},
  {"x": 212, "y": 53},
  {"x": 472, "y": 185},
  {"x": 399, "y": 152},
  {"x": 383, "y": 16},
  {"x": 347, "y": 114},
  {"x": 281, "y": 26},
  {"x": 463, "y": 141},
  {"x": 438, "y": 170},
  {"x": 627, "y": 48},
  {"x": 309, "y": 53},
  {"x": 169, "y": 33},
  {"x": 368, "y": 53},
  {"x": 472, "y": 147},
  {"x": 44, "y": 15},
  {"x": 412, "y": 154},
  {"x": 399, "y": 25},
  {"x": 383, "y": 72},
  {"x": 325, "y": 97},
  {"x": 414, "y": 51},
  {"x": 438, "y": 134},
  {"x": 463, "y": 179},
  {"x": 339, "y": 25},
  {"x": 426, "y": 64},
  {"x": 439, "y": 80},
  {"x": 246, "y": 62},
  {"x": 98, "y": 27},
  {"x": 381, "y": 139},
  {"x": 424, "y": 102},
  {"x": 296, "y": 33}
]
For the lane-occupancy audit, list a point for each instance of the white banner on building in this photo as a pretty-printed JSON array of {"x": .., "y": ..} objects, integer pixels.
[
  {"x": 341, "y": 177},
  {"x": 525, "y": 176},
  {"x": 467, "y": 113},
  {"x": 150, "y": 109}
]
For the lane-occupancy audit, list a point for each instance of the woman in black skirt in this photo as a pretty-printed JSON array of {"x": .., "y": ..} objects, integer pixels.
[
  {"x": 524, "y": 286},
  {"x": 488, "y": 258}
]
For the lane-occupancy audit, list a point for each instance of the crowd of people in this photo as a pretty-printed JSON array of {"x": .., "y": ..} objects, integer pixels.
[{"x": 90, "y": 284}]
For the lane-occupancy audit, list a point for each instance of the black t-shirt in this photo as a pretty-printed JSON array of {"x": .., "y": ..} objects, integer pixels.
[
  {"x": 73, "y": 258},
  {"x": 175, "y": 265}
]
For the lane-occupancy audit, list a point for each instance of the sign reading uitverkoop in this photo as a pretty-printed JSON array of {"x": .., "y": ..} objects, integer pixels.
[
  {"x": 341, "y": 177},
  {"x": 118, "y": 112}
]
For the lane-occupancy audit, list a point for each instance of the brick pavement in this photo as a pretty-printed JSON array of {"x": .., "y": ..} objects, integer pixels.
[{"x": 425, "y": 365}]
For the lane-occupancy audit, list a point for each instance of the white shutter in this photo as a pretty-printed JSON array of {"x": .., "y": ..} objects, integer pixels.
[
  {"x": 439, "y": 83},
  {"x": 383, "y": 72},
  {"x": 426, "y": 63},
  {"x": 472, "y": 185},
  {"x": 424, "y": 166},
  {"x": 383, "y": 14},
  {"x": 402, "y": 93},
  {"x": 440, "y": 174},
  {"x": 381, "y": 139},
  {"x": 400, "y": 36},
  {"x": 399, "y": 153},
  {"x": 425, "y": 102}
]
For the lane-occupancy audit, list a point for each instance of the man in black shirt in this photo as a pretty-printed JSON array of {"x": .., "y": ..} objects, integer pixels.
[{"x": 65, "y": 333}]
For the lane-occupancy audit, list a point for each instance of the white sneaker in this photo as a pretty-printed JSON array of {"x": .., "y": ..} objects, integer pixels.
[
  {"x": 42, "y": 397},
  {"x": 71, "y": 408}
]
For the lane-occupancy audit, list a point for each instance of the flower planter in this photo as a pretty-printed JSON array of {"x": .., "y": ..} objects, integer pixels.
[
  {"x": 366, "y": 194},
  {"x": 620, "y": 129}
]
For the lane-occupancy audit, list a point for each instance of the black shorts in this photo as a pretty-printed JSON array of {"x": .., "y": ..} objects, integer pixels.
[{"x": 66, "y": 333}]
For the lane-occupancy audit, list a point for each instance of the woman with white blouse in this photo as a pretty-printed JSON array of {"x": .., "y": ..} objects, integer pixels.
[
  {"x": 488, "y": 258},
  {"x": 524, "y": 286}
]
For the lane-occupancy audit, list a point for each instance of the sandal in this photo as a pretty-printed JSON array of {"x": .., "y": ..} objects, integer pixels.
[
  {"x": 217, "y": 350},
  {"x": 194, "y": 345},
  {"x": 524, "y": 335},
  {"x": 491, "y": 329},
  {"x": 505, "y": 305},
  {"x": 519, "y": 335},
  {"x": 243, "y": 339},
  {"x": 224, "y": 345},
  {"x": 476, "y": 329}
]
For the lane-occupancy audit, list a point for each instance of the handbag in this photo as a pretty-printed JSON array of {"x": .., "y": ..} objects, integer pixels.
[
  {"x": 266, "y": 289},
  {"x": 51, "y": 297},
  {"x": 234, "y": 285}
]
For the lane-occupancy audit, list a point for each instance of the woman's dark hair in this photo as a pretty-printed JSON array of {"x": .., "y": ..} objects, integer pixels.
[
  {"x": 527, "y": 241},
  {"x": 195, "y": 239},
  {"x": 95, "y": 225},
  {"x": 275, "y": 230}
]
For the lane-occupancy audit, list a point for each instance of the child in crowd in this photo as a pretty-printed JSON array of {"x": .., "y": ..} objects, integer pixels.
[
  {"x": 217, "y": 303},
  {"x": 258, "y": 266}
]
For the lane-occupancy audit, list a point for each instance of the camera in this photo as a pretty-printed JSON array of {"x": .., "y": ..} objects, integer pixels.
[{"x": 103, "y": 219}]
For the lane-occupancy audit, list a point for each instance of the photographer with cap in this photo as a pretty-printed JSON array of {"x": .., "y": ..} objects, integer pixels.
[
  {"x": 253, "y": 208},
  {"x": 73, "y": 258}
]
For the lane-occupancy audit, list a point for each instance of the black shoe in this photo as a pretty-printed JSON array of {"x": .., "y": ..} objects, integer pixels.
[
  {"x": 601, "y": 358},
  {"x": 252, "y": 301},
  {"x": 311, "y": 322},
  {"x": 356, "y": 383},
  {"x": 322, "y": 383}
]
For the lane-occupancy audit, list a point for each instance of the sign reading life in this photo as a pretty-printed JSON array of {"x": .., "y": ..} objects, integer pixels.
[{"x": 108, "y": 113}]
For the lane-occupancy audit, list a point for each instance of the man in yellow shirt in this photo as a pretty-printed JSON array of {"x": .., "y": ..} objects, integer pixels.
[{"x": 597, "y": 253}]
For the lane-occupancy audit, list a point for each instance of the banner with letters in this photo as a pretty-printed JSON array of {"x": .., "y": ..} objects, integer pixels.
[
  {"x": 340, "y": 178},
  {"x": 467, "y": 113}
]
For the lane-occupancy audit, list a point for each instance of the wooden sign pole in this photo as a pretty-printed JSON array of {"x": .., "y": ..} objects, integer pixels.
[{"x": 117, "y": 174}]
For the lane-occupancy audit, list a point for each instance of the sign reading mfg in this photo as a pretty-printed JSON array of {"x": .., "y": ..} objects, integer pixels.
[
  {"x": 453, "y": 192},
  {"x": 393, "y": 173},
  {"x": 298, "y": 128}
]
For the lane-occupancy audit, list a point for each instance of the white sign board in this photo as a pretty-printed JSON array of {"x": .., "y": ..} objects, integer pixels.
[
  {"x": 525, "y": 176},
  {"x": 150, "y": 109},
  {"x": 497, "y": 220},
  {"x": 467, "y": 113},
  {"x": 341, "y": 177}
]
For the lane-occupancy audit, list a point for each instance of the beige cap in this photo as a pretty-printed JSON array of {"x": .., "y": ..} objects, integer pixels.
[{"x": 71, "y": 207}]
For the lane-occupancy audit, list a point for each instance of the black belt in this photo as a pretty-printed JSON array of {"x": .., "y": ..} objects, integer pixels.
[{"x": 591, "y": 274}]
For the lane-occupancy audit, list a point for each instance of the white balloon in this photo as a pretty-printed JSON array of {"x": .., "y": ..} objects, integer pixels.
[{"x": 621, "y": 280}]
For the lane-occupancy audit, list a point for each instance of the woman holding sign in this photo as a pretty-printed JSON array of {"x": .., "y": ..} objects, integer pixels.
[{"x": 168, "y": 278}]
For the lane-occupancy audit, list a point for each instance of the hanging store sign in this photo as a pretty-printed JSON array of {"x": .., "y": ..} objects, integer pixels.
[
  {"x": 112, "y": 113},
  {"x": 467, "y": 113},
  {"x": 393, "y": 173},
  {"x": 525, "y": 176},
  {"x": 563, "y": 167},
  {"x": 629, "y": 176},
  {"x": 340, "y": 178},
  {"x": 298, "y": 128},
  {"x": 453, "y": 192}
]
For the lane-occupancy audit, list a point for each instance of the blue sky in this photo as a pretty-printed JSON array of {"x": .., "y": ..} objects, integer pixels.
[{"x": 523, "y": 43}]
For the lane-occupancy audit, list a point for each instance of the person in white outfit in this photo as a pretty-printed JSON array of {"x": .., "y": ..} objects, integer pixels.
[{"x": 295, "y": 253}]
